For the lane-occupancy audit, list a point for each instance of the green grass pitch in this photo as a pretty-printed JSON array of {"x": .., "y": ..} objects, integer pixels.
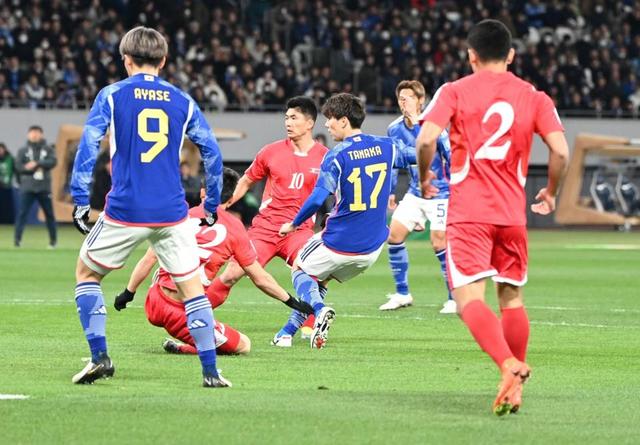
[{"x": 411, "y": 376}]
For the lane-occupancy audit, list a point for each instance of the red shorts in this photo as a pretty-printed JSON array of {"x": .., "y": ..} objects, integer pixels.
[
  {"x": 167, "y": 313},
  {"x": 269, "y": 244},
  {"x": 476, "y": 251}
]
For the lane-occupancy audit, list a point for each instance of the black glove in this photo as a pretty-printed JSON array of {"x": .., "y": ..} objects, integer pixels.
[
  {"x": 123, "y": 298},
  {"x": 81, "y": 218},
  {"x": 209, "y": 219},
  {"x": 299, "y": 306}
]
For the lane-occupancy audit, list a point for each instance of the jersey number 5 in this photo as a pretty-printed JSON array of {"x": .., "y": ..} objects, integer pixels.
[
  {"x": 354, "y": 178},
  {"x": 160, "y": 137}
]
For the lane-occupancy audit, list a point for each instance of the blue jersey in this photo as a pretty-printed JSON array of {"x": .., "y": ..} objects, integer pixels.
[
  {"x": 398, "y": 130},
  {"x": 147, "y": 119},
  {"x": 358, "y": 172}
]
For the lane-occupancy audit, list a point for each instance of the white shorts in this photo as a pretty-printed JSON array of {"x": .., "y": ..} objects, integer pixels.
[
  {"x": 412, "y": 211},
  {"x": 109, "y": 244},
  {"x": 319, "y": 261}
]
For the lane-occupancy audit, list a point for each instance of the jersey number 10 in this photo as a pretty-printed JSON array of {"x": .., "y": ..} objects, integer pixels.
[
  {"x": 160, "y": 137},
  {"x": 354, "y": 178}
]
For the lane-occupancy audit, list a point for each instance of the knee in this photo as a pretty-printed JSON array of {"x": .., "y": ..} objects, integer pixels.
[
  {"x": 244, "y": 345},
  {"x": 395, "y": 238},
  {"x": 84, "y": 273},
  {"x": 231, "y": 274},
  {"x": 438, "y": 240}
]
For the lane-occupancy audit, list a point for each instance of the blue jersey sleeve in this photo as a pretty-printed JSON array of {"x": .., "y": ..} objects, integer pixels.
[
  {"x": 405, "y": 155},
  {"x": 94, "y": 130},
  {"x": 199, "y": 132},
  {"x": 394, "y": 180},
  {"x": 443, "y": 146},
  {"x": 330, "y": 171},
  {"x": 311, "y": 205}
]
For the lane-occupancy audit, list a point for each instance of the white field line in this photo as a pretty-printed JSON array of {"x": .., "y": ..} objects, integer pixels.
[
  {"x": 418, "y": 318},
  {"x": 13, "y": 397},
  {"x": 373, "y": 317},
  {"x": 268, "y": 301}
]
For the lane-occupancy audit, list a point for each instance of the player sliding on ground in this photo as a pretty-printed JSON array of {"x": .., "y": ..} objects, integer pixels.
[
  {"x": 493, "y": 115},
  {"x": 290, "y": 167},
  {"x": 413, "y": 211},
  {"x": 227, "y": 238},
  {"x": 357, "y": 171},
  {"x": 147, "y": 119}
]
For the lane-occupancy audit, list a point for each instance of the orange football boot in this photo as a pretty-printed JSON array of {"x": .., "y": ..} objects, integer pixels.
[{"x": 514, "y": 374}]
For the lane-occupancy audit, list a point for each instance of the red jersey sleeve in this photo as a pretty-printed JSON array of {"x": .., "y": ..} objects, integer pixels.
[
  {"x": 259, "y": 167},
  {"x": 243, "y": 250},
  {"x": 442, "y": 106},
  {"x": 547, "y": 119}
]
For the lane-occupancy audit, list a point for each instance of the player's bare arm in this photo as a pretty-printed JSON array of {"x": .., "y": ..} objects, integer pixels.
[
  {"x": 267, "y": 284},
  {"x": 558, "y": 160},
  {"x": 426, "y": 145},
  {"x": 140, "y": 273},
  {"x": 244, "y": 184}
]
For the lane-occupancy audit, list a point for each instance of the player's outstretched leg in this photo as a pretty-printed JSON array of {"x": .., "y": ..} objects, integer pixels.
[
  {"x": 200, "y": 323},
  {"x": 307, "y": 327},
  {"x": 449, "y": 306},
  {"x": 93, "y": 317},
  {"x": 399, "y": 263},
  {"x": 515, "y": 327},
  {"x": 284, "y": 337}
]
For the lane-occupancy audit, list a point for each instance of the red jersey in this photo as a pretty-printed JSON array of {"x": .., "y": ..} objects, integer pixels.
[
  {"x": 217, "y": 244},
  {"x": 290, "y": 180},
  {"x": 493, "y": 117}
]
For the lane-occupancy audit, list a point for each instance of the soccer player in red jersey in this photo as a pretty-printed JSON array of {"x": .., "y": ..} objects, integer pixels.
[
  {"x": 227, "y": 238},
  {"x": 290, "y": 167},
  {"x": 493, "y": 116}
]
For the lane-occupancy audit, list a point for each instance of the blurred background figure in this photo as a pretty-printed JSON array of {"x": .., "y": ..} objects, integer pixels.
[
  {"x": 190, "y": 183},
  {"x": 6, "y": 185},
  {"x": 33, "y": 164}
]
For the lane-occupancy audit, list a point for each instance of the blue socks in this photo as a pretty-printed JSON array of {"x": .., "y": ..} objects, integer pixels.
[
  {"x": 307, "y": 289},
  {"x": 441, "y": 256},
  {"x": 399, "y": 262},
  {"x": 296, "y": 319},
  {"x": 93, "y": 317},
  {"x": 201, "y": 323}
]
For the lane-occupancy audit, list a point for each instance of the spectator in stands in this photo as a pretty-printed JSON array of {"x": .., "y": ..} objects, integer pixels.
[
  {"x": 33, "y": 164},
  {"x": 228, "y": 50},
  {"x": 6, "y": 185},
  {"x": 190, "y": 183}
]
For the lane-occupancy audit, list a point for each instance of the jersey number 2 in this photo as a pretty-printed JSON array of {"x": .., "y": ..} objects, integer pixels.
[
  {"x": 354, "y": 178},
  {"x": 160, "y": 137},
  {"x": 497, "y": 152}
]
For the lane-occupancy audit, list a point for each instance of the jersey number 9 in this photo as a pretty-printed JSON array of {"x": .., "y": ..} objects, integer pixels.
[{"x": 160, "y": 137}]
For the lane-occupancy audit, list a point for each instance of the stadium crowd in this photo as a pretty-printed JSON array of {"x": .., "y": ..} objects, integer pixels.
[{"x": 250, "y": 54}]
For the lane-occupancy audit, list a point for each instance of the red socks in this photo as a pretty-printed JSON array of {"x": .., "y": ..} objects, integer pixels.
[
  {"x": 217, "y": 292},
  {"x": 515, "y": 326},
  {"x": 486, "y": 329}
]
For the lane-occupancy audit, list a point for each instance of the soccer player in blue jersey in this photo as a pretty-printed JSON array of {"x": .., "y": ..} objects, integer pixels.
[
  {"x": 412, "y": 212},
  {"x": 147, "y": 119},
  {"x": 357, "y": 171}
]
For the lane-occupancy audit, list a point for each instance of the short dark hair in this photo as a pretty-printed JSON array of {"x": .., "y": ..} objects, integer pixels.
[
  {"x": 145, "y": 46},
  {"x": 306, "y": 105},
  {"x": 36, "y": 128},
  {"x": 345, "y": 105},
  {"x": 229, "y": 181},
  {"x": 490, "y": 39}
]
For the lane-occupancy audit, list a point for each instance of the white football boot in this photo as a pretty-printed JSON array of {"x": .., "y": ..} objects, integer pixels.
[
  {"x": 397, "y": 301},
  {"x": 449, "y": 307},
  {"x": 282, "y": 341}
]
